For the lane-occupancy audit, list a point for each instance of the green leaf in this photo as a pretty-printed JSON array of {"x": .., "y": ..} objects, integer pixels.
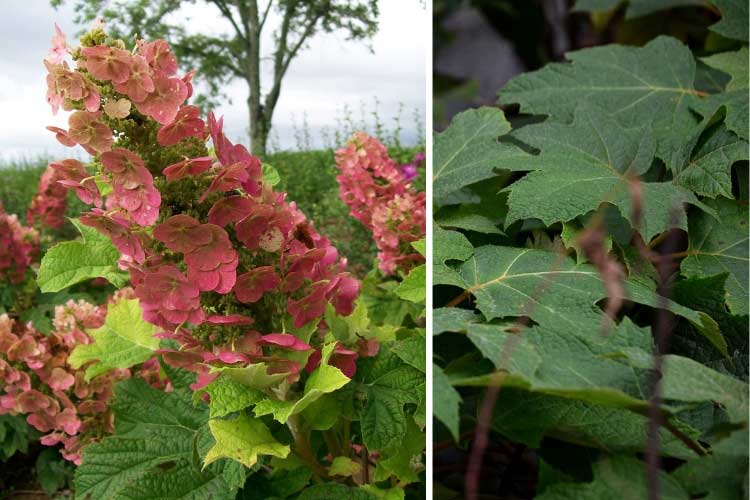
[
  {"x": 709, "y": 296},
  {"x": 413, "y": 287},
  {"x": 406, "y": 460},
  {"x": 734, "y": 64},
  {"x": 420, "y": 246},
  {"x": 333, "y": 491},
  {"x": 349, "y": 328},
  {"x": 389, "y": 494},
  {"x": 445, "y": 401},
  {"x": 344, "y": 466},
  {"x": 616, "y": 477},
  {"x": 270, "y": 175},
  {"x": 528, "y": 417},
  {"x": 412, "y": 350},
  {"x": 735, "y": 104},
  {"x": 124, "y": 340},
  {"x": 590, "y": 162},
  {"x": 453, "y": 319},
  {"x": 507, "y": 282},
  {"x": 388, "y": 384},
  {"x": 707, "y": 168},
  {"x": 734, "y": 17},
  {"x": 151, "y": 455},
  {"x": 633, "y": 84},
  {"x": 468, "y": 151},
  {"x": 575, "y": 364},
  {"x": 243, "y": 439},
  {"x": 723, "y": 474},
  {"x": 71, "y": 262},
  {"x": 322, "y": 380},
  {"x": 448, "y": 246},
  {"x": 636, "y": 8},
  {"x": 684, "y": 379},
  {"x": 474, "y": 217},
  {"x": 229, "y": 396},
  {"x": 52, "y": 471},
  {"x": 254, "y": 376},
  {"x": 719, "y": 246}
]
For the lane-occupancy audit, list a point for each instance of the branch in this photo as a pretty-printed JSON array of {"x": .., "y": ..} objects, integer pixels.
[
  {"x": 226, "y": 12},
  {"x": 305, "y": 35},
  {"x": 265, "y": 16}
]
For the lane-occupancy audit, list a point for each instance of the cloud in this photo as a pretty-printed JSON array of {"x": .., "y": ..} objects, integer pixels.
[{"x": 328, "y": 75}]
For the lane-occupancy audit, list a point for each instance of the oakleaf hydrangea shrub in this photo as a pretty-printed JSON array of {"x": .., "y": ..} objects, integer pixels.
[
  {"x": 246, "y": 297},
  {"x": 207, "y": 243},
  {"x": 50, "y": 202},
  {"x": 19, "y": 246},
  {"x": 379, "y": 194},
  {"x": 591, "y": 275}
]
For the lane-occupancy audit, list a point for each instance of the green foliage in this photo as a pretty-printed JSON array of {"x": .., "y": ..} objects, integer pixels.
[
  {"x": 562, "y": 239},
  {"x": 72, "y": 262},
  {"x": 242, "y": 439},
  {"x": 52, "y": 472},
  {"x": 125, "y": 340},
  {"x": 15, "y": 434},
  {"x": 153, "y": 451}
]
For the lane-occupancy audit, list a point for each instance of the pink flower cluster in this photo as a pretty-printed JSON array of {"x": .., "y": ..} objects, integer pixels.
[
  {"x": 241, "y": 240},
  {"x": 19, "y": 246},
  {"x": 50, "y": 201},
  {"x": 36, "y": 380},
  {"x": 379, "y": 194}
]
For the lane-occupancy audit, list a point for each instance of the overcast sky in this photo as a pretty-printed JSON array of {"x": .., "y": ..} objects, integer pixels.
[{"x": 330, "y": 74}]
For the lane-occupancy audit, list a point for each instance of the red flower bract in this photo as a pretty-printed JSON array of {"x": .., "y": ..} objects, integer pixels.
[
  {"x": 159, "y": 56},
  {"x": 133, "y": 185},
  {"x": 139, "y": 84},
  {"x": 18, "y": 247},
  {"x": 187, "y": 123},
  {"x": 117, "y": 228},
  {"x": 168, "y": 298},
  {"x": 251, "y": 286},
  {"x": 107, "y": 63},
  {"x": 187, "y": 167},
  {"x": 72, "y": 174},
  {"x": 284, "y": 341},
  {"x": 50, "y": 202},
  {"x": 86, "y": 129},
  {"x": 162, "y": 104},
  {"x": 380, "y": 196}
]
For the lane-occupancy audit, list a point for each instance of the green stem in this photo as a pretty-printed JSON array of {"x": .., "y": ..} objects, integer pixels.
[{"x": 303, "y": 450}]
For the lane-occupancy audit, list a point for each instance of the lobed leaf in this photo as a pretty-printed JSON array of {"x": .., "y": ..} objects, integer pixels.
[{"x": 71, "y": 262}]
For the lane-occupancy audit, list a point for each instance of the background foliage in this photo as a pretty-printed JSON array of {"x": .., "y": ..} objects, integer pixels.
[{"x": 618, "y": 189}]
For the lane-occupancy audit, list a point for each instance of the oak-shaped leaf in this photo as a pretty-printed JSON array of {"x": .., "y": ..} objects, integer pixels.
[
  {"x": 592, "y": 161},
  {"x": 123, "y": 341},
  {"x": 719, "y": 246},
  {"x": 388, "y": 384},
  {"x": 704, "y": 163},
  {"x": 71, "y": 262},
  {"x": 152, "y": 453},
  {"x": 553, "y": 291},
  {"x": 242, "y": 439},
  {"x": 468, "y": 151},
  {"x": 323, "y": 380},
  {"x": 613, "y": 477},
  {"x": 633, "y": 84}
]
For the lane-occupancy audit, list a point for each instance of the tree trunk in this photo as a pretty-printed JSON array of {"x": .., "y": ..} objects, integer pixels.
[
  {"x": 256, "y": 113},
  {"x": 258, "y": 127}
]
